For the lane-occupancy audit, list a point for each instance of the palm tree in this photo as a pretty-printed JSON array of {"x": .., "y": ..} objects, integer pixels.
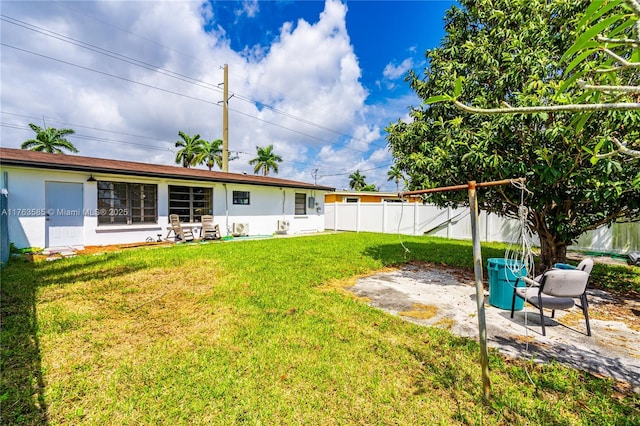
[
  {"x": 396, "y": 174},
  {"x": 357, "y": 181},
  {"x": 50, "y": 140},
  {"x": 210, "y": 153},
  {"x": 189, "y": 146},
  {"x": 371, "y": 187},
  {"x": 265, "y": 161}
]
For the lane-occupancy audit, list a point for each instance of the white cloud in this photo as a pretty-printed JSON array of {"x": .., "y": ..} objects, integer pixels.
[
  {"x": 310, "y": 74},
  {"x": 393, "y": 72},
  {"x": 250, "y": 8}
]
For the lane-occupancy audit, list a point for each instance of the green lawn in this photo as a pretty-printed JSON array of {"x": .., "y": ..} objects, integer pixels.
[{"x": 261, "y": 332}]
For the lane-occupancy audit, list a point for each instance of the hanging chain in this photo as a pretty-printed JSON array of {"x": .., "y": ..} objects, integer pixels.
[{"x": 519, "y": 255}]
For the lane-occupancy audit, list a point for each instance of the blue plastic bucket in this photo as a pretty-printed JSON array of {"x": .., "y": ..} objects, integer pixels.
[{"x": 503, "y": 275}]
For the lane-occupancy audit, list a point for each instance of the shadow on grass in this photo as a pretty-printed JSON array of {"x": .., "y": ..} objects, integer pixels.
[
  {"x": 441, "y": 251},
  {"x": 22, "y": 386},
  {"x": 22, "y": 390}
]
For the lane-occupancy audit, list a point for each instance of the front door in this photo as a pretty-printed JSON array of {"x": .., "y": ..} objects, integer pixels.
[{"x": 64, "y": 216}]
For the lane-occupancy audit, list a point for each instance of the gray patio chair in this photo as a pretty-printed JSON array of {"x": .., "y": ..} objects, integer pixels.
[
  {"x": 556, "y": 289},
  {"x": 585, "y": 265}
]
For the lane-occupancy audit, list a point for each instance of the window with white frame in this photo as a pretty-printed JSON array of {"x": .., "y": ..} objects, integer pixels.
[
  {"x": 301, "y": 204},
  {"x": 127, "y": 203},
  {"x": 190, "y": 202}
]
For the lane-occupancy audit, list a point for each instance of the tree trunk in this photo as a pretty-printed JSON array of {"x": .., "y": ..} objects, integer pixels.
[{"x": 551, "y": 250}]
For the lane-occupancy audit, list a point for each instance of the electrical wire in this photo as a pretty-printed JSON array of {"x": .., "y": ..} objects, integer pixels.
[
  {"x": 169, "y": 73},
  {"x": 178, "y": 94},
  {"x": 172, "y": 74}
]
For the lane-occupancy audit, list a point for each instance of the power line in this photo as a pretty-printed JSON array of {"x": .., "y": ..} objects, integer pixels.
[
  {"x": 169, "y": 73},
  {"x": 109, "y": 53},
  {"x": 363, "y": 170},
  {"x": 108, "y": 74},
  {"x": 52, "y": 120},
  {"x": 121, "y": 142},
  {"x": 172, "y": 92},
  {"x": 172, "y": 74},
  {"x": 91, "y": 137}
]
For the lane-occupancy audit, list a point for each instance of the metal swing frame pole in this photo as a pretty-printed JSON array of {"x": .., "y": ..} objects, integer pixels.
[
  {"x": 477, "y": 269},
  {"x": 471, "y": 187}
]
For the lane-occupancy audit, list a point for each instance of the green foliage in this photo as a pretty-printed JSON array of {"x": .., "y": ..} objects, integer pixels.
[
  {"x": 49, "y": 140},
  {"x": 210, "y": 153},
  {"x": 498, "y": 52},
  {"x": 266, "y": 160},
  {"x": 357, "y": 181},
  {"x": 604, "y": 55},
  {"x": 190, "y": 148},
  {"x": 395, "y": 174}
]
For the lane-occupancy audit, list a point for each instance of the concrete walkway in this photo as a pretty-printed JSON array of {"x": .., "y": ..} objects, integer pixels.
[{"x": 613, "y": 350}]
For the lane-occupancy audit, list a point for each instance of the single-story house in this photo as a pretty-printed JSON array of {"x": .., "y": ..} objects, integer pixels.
[
  {"x": 367, "y": 197},
  {"x": 59, "y": 200}
]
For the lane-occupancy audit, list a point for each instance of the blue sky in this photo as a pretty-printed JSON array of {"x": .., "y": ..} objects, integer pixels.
[{"x": 128, "y": 75}]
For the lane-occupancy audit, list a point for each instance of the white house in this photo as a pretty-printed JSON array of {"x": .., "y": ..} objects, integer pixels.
[{"x": 68, "y": 200}]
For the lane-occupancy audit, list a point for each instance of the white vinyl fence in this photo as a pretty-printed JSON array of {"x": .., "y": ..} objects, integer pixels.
[{"x": 455, "y": 223}]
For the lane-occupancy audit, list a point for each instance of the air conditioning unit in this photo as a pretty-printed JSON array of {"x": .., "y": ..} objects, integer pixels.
[
  {"x": 240, "y": 229},
  {"x": 283, "y": 226}
]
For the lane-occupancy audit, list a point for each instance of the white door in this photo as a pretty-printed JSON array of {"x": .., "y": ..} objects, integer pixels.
[{"x": 64, "y": 217}]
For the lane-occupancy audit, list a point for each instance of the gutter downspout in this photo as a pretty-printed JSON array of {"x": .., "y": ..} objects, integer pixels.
[
  {"x": 284, "y": 197},
  {"x": 226, "y": 208}
]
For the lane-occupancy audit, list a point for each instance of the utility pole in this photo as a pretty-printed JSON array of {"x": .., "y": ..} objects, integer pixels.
[{"x": 225, "y": 121}]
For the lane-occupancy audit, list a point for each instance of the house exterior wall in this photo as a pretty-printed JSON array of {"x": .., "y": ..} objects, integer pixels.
[{"x": 27, "y": 220}]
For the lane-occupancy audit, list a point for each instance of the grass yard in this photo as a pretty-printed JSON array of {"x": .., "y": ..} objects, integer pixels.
[{"x": 262, "y": 332}]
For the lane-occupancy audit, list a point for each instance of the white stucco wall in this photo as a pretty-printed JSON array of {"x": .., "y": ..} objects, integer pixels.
[{"x": 268, "y": 205}]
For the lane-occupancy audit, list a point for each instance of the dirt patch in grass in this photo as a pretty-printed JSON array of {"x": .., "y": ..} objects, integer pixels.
[
  {"x": 421, "y": 311},
  {"x": 90, "y": 250}
]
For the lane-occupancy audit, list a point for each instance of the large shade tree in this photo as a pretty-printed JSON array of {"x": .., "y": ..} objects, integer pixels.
[
  {"x": 510, "y": 53},
  {"x": 190, "y": 147},
  {"x": 266, "y": 160},
  {"x": 604, "y": 63},
  {"x": 49, "y": 139}
]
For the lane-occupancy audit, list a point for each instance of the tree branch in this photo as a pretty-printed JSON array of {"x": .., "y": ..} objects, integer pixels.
[
  {"x": 621, "y": 106},
  {"x": 625, "y": 89},
  {"x": 626, "y": 41},
  {"x": 634, "y": 5},
  {"x": 620, "y": 59},
  {"x": 622, "y": 149}
]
